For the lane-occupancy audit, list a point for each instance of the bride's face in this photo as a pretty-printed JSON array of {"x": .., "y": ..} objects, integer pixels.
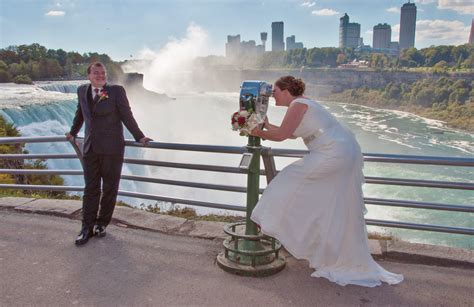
[{"x": 281, "y": 97}]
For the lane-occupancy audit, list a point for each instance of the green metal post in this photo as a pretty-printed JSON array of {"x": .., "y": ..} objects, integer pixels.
[{"x": 253, "y": 183}]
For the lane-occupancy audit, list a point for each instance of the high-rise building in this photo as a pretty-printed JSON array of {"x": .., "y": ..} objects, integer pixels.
[
  {"x": 263, "y": 37},
  {"x": 382, "y": 36},
  {"x": 471, "y": 35},
  {"x": 407, "y": 26},
  {"x": 232, "y": 47},
  {"x": 349, "y": 33},
  {"x": 292, "y": 44},
  {"x": 277, "y": 36},
  {"x": 248, "y": 48}
]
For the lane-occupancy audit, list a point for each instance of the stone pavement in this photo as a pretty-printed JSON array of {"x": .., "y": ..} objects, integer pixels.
[{"x": 157, "y": 260}]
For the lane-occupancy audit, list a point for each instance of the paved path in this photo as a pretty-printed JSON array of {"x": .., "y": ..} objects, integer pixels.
[{"x": 41, "y": 266}]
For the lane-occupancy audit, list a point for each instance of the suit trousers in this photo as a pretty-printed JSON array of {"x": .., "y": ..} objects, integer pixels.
[{"x": 105, "y": 170}]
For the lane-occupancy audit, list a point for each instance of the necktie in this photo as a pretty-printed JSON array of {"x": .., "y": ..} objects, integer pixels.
[{"x": 96, "y": 97}]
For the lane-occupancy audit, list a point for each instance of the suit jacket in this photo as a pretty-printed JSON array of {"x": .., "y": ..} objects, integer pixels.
[{"x": 103, "y": 120}]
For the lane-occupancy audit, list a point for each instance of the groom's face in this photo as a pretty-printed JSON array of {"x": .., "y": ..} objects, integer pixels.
[{"x": 98, "y": 76}]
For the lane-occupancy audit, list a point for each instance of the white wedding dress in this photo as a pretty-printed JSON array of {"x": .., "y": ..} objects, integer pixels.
[{"x": 315, "y": 206}]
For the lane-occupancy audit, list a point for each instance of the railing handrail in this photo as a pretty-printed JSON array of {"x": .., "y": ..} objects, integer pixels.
[
  {"x": 277, "y": 152},
  {"x": 267, "y": 155}
]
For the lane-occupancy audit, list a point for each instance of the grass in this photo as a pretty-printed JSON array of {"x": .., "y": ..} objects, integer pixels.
[
  {"x": 37, "y": 194},
  {"x": 173, "y": 210},
  {"x": 190, "y": 213}
]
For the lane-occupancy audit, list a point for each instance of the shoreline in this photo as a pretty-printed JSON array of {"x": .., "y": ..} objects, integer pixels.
[{"x": 410, "y": 111}]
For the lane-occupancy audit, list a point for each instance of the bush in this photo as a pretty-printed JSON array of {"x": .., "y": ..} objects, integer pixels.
[
  {"x": 9, "y": 130},
  {"x": 22, "y": 79}
]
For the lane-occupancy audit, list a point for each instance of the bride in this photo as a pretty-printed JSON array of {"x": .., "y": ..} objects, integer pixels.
[{"x": 315, "y": 206}]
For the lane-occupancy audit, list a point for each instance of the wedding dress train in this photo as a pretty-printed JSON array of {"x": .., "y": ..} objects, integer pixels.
[{"x": 315, "y": 206}]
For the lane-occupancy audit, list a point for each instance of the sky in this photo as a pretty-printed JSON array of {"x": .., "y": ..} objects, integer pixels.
[{"x": 126, "y": 29}]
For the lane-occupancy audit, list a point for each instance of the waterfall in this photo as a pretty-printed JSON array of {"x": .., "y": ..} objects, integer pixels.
[{"x": 62, "y": 87}]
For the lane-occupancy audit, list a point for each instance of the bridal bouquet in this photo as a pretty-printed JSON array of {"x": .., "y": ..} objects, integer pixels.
[{"x": 245, "y": 121}]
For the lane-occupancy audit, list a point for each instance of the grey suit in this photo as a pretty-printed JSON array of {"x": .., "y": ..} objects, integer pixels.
[{"x": 104, "y": 148}]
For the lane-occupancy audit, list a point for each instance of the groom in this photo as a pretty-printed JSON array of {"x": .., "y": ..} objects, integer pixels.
[{"x": 103, "y": 108}]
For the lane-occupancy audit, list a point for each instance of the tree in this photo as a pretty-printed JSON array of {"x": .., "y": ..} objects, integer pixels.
[
  {"x": 9, "y": 130},
  {"x": 22, "y": 79},
  {"x": 441, "y": 67},
  {"x": 341, "y": 59},
  {"x": 4, "y": 74}
]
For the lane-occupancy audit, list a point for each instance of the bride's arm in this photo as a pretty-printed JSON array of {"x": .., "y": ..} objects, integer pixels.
[
  {"x": 269, "y": 126},
  {"x": 290, "y": 122}
]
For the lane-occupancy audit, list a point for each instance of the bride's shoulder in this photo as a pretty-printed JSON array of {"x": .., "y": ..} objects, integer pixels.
[{"x": 303, "y": 100}]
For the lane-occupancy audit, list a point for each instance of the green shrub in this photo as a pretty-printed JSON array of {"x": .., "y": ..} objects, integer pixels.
[{"x": 22, "y": 79}]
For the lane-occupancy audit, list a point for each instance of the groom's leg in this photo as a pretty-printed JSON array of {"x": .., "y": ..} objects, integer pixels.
[
  {"x": 111, "y": 168},
  {"x": 90, "y": 204}
]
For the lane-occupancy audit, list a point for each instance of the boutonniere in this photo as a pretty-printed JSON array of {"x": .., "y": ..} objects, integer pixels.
[{"x": 103, "y": 95}]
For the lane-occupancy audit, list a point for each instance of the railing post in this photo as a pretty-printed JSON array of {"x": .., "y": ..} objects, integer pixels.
[
  {"x": 253, "y": 183},
  {"x": 78, "y": 146},
  {"x": 269, "y": 164}
]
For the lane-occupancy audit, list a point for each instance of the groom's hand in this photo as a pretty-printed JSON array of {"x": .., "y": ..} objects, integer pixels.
[
  {"x": 69, "y": 136},
  {"x": 144, "y": 140}
]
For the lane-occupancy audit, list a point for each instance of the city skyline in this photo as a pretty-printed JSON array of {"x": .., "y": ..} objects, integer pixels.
[{"x": 146, "y": 26}]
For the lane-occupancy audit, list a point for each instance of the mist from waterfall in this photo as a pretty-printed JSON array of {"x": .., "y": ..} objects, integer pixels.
[{"x": 168, "y": 70}]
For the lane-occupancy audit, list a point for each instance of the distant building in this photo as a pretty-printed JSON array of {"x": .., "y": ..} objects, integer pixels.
[
  {"x": 249, "y": 48},
  {"x": 232, "y": 47},
  {"x": 471, "y": 35},
  {"x": 292, "y": 44},
  {"x": 349, "y": 33},
  {"x": 394, "y": 47},
  {"x": 382, "y": 36},
  {"x": 263, "y": 38},
  {"x": 277, "y": 36},
  {"x": 407, "y": 26},
  {"x": 355, "y": 64}
]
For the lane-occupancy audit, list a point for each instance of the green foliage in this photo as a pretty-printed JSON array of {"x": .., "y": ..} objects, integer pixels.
[
  {"x": 22, "y": 79},
  {"x": 190, "y": 213},
  {"x": 4, "y": 73},
  {"x": 37, "y": 62},
  {"x": 444, "y": 99},
  {"x": 8, "y": 130},
  {"x": 437, "y": 59}
]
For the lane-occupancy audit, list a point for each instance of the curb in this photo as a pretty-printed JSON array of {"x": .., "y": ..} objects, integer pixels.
[{"x": 392, "y": 250}]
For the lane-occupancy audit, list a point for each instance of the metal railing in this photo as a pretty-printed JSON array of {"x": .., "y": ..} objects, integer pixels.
[{"x": 269, "y": 171}]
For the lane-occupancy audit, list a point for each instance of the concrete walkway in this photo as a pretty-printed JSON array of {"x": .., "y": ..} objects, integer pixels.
[{"x": 174, "y": 265}]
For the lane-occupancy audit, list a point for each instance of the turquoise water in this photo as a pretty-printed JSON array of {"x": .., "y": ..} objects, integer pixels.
[{"x": 204, "y": 118}]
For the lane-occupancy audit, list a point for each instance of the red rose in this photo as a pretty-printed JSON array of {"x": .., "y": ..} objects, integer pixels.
[
  {"x": 242, "y": 121},
  {"x": 234, "y": 117}
]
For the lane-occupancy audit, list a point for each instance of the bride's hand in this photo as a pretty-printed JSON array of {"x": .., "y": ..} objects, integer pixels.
[
  {"x": 256, "y": 131},
  {"x": 267, "y": 122}
]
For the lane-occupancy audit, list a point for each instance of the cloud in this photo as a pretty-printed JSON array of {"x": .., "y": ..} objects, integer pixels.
[
  {"x": 437, "y": 32},
  {"x": 308, "y": 4},
  {"x": 55, "y": 13},
  {"x": 461, "y": 6},
  {"x": 441, "y": 32},
  {"x": 393, "y": 9},
  {"x": 325, "y": 12}
]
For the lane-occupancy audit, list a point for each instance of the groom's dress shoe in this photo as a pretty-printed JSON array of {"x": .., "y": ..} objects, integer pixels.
[
  {"x": 84, "y": 236},
  {"x": 99, "y": 231}
]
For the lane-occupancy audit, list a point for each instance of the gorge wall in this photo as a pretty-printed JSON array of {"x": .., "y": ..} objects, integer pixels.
[{"x": 320, "y": 82}]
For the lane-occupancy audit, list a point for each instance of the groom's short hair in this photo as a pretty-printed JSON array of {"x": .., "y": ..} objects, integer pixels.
[{"x": 94, "y": 64}]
